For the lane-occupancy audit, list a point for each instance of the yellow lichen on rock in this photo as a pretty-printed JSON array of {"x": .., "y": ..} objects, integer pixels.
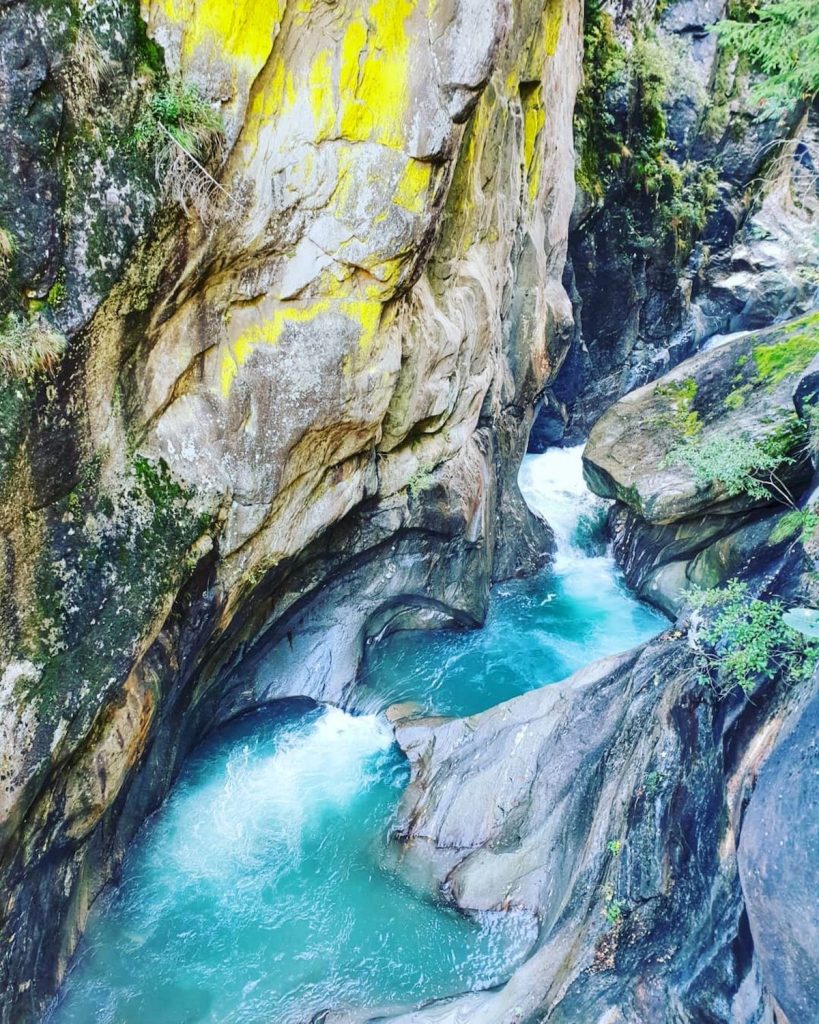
[
  {"x": 241, "y": 31},
  {"x": 552, "y": 23},
  {"x": 413, "y": 185},
  {"x": 365, "y": 315},
  {"x": 534, "y": 119},
  {"x": 366, "y": 98}
]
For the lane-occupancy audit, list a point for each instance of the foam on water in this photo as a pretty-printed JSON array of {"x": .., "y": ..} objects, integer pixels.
[
  {"x": 552, "y": 485},
  {"x": 258, "y": 893}
]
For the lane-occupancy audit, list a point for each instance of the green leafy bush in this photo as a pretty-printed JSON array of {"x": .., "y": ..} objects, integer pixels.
[
  {"x": 744, "y": 465},
  {"x": 739, "y": 640},
  {"x": 780, "y": 38}
]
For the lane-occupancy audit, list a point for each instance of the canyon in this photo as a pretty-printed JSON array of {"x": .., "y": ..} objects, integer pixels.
[{"x": 267, "y": 486}]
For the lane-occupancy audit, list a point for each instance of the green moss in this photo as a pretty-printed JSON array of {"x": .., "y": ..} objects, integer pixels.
[
  {"x": 736, "y": 399},
  {"x": 683, "y": 419},
  {"x": 782, "y": 359},
  {"x": 599, "y": 143},
  {"x": 57, "y": 292},
  {"x": 110, "y": 561}
]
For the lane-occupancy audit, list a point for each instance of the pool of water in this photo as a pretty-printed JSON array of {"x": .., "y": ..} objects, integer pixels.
[{"x": 257, "y": 894}]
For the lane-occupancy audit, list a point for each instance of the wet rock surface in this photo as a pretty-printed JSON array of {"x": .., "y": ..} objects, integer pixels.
[
  {"x": 779, "y": 865},
  {"x": 613, "y": 804}
]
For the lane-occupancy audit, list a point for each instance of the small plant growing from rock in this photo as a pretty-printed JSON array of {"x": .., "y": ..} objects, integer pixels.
[
  {"x": 614, "y": 911},
  {"x": 744, "y": 465},
  {"x": 653, "y": 781},
  {"x": 29, "y": 347},
  {"x": 799, "y": 523},
  {"x": 184, "y": 134},
  {"x": 739, "y": 641},
  {"x": 614, "y": 846},
  {"x": 8, "y": 247}
]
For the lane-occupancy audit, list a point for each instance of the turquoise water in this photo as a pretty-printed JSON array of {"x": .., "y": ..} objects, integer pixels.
[
  {"x": 257, "y": 894},
  {"x": 537, "y": 631}
]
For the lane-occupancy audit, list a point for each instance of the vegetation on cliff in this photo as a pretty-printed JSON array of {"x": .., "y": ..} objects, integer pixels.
[
  {"x": 185, "y": 135},
  {"x": 28, "y": 346},
  {"x": 781, "y": 39},
  {"x": 741, "y": 641},
  {"x": 744, "y": 464},
  {"x": 621, "y": 129}
]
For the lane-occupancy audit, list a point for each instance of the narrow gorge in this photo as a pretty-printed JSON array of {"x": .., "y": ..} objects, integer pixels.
[{"x": 408, "y": 450}]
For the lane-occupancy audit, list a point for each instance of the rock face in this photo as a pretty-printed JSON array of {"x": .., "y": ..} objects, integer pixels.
[
  {"x": 779, "y": 865},
  {"x": 321, "y": 389},
  {"x": 612, "y": 804},
  {"x": 703, "y": 227},
  {"x": 672, "y": 455}
]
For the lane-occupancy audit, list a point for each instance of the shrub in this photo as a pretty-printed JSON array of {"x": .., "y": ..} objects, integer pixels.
[
  {"x": 742, "y": 464},
  {"x": 29, "y": 347},
  {"x": 739, "y": 641}
]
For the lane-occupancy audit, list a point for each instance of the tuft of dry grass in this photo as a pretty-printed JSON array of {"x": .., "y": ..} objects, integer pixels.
[
  {"x": 29, "y": 347},
  {"x": 8, "y": 247},
  {"x": 85, "y": 73},
  {"x": 185, "y": 135}
]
